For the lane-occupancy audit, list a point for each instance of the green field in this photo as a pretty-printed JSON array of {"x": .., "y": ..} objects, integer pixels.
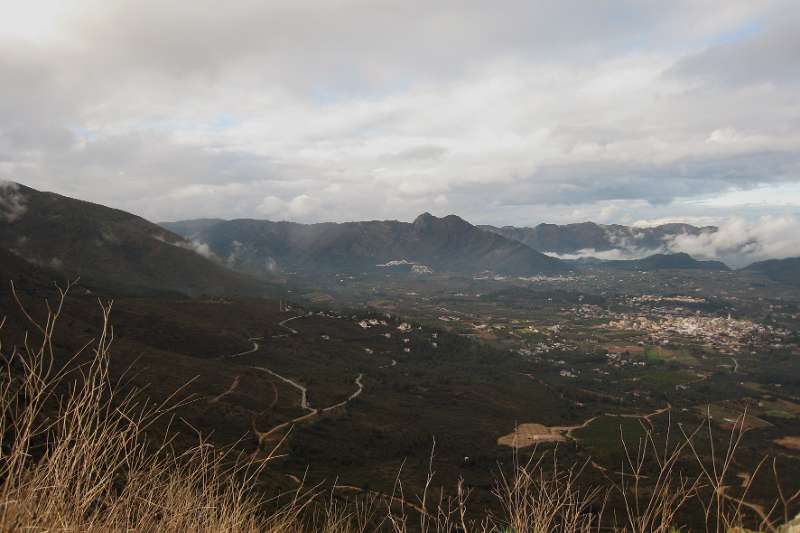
[{"x": 604, "y": 436}]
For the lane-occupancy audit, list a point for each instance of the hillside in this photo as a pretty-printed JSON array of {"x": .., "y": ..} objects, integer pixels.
[
  {"x": 680, "y": 261},
  {"x": 191, "y": 228},
  {"x": 21, "y": 272},
  {"x": 447, "y": 244},
  {"x": 591, "y": 237},
  {"x": 111, "y": 248},
  {"x": 781, "y": 270}
]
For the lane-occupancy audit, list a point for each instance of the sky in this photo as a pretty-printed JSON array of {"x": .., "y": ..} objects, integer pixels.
[{"x": 512, "y": 112}]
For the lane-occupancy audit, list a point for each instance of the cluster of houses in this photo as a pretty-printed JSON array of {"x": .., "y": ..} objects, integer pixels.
[
  {"x": 371, "y": 323},
  {"x": 618, "y": 360},
  {"x": 725, "y": 334},
  {"x": 587, "y": 311},
  {"x": 680, "y": 299}
]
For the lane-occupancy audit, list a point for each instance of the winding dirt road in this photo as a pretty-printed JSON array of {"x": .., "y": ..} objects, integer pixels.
[
  {"x": 350, "y": 398},
  {"x": 229, "y": 390},
  {"x": 560, "y": 433},
  {"x": 312, "y": 411},
  {"x": 291, "y": 331},
  {"x": 305, "y": 405},
  {"x": 255, "y": 348},
  {"x": 303, "y": 390}
]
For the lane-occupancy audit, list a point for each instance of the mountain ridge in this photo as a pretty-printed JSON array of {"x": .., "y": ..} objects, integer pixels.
[
  {"x": 587, "y": 238},
  {"x": 785, "y": 270},
  {"x": 448, "y": 244},
  {"x": 676, "y": 261},
  {"x": 112, "y": 248}
]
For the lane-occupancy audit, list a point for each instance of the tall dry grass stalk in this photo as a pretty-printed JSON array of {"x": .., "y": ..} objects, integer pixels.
[
  {"x": 540, "y": 500},
  {"x": 74, "y": 456}
]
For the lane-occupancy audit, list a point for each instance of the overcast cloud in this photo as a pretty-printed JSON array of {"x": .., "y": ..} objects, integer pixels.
[{"x": 504, "y": 113}]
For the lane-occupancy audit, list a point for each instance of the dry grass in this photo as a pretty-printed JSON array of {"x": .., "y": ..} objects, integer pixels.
[
  {"x": 90, "y": 468},
  {"x": 74, "y": 457}
]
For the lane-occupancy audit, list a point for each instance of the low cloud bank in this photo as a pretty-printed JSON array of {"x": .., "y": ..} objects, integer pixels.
[
  {"x": 739, "y": 242},
  {"x": 608, "y": 255}
]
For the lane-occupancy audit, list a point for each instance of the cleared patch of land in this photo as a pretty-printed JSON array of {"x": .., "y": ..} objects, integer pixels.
[
  {"x": 531, "y": 434},
  {"x": 793, "y": 442}
]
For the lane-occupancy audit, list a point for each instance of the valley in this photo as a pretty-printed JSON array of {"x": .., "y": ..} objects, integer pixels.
[
  {"x": 356, "y": 390},
  {"x": 355, "y": 377}
]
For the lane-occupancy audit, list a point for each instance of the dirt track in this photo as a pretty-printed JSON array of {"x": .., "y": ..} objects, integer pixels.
[
  {"x": 311, "y": 411},
  {"x": 526, "y": 435}
]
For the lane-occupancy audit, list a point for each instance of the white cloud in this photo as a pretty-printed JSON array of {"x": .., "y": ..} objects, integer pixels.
[
  {"x": 271, "y": 206},
  {"x": 306, "y": 111},
  {"x": 12, "y": 201},
  {"x": 302, "y": 206},
  {"x": 197, "y": 247},
  {"x": 694, "y": 220},
  {"x": 737, "y": 241},
  {"x": 201, "y": 248},
  {"x": 740, "y": 242},
  {"x": 298, "y": 208},
  {"x": 607, "y": 255}
]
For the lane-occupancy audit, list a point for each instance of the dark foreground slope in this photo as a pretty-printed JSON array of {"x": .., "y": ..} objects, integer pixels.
[
  {"x": 111, "y": 248},
  {"x": 448, "y": 244}
]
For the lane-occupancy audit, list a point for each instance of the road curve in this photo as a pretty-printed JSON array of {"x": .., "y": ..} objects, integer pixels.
[
  {"x": 350, "y": 398},
  {"x": 304, "y": 403},
  {"x": 283, "y": 323},
  {"x": 229, "y": 390},
  {"x": 255, "y": 348},
  {"x": 312, "y": 411}
]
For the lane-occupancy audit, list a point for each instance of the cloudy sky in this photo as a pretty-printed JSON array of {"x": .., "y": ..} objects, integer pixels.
[{"x": 512, "y": 112}]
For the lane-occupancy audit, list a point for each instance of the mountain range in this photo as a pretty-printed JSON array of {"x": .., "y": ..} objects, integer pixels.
[
  {"x": 64, "y": 237},
  {"x": 448, "y": 244},
  {"x": 588, "y": 238}
]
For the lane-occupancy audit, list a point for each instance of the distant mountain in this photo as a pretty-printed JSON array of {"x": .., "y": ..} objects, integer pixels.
[
  {"x": 588, "y": 237},
  {"x": 191, "y": 228},
  {"x": 448, "y": 244},
  {"x": 110, "y": 248},
  {"x": 782, "y": 270},
  {"x": 678, "y": 261},
  {"x": 674, "y": 261}
]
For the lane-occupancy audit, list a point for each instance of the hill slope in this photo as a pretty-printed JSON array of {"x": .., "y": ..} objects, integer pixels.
[
  {"x": 680, "y": 261},
  {"x": 448, "y": 244},
  {"x": 110, "y": 248},
  {"x": 782, "y": 270}
]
